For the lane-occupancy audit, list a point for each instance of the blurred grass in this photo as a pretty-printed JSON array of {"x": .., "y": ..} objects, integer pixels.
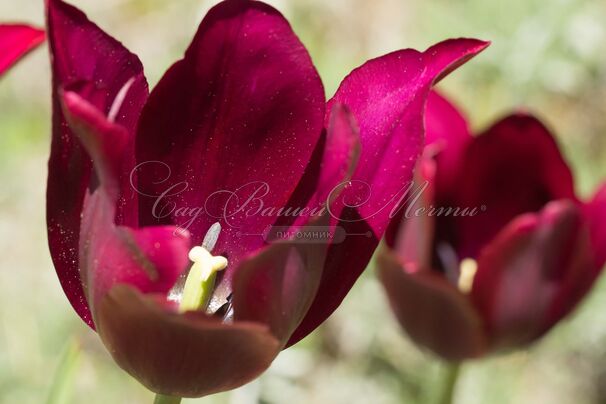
[{"x": 546, "y": 56}]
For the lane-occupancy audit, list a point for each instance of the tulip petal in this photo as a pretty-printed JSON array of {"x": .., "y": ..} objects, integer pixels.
[
  {"x": 533, "y": 274},
  {"x": 190, "y": 355},
  {"x": 329, "y": 170},
  {"x": 513, "y": 168},
  {"x": 340, "y": 159},
  {"x": 444, "y": 123},
  {"x": 83, "y": 57},
  {"x": 150, "y": 259},
  {"x": 387, "y": 97},
  {"x": 447, "y": 133},
  {"x": 431, "y": 310},
  {"x": 595, "y": 212},
  {"x": 16, "y": 40},
  {"x": 242, "y": 111},
  {"x": 427, "y": 304},
  {"x": 277, "y": 286},
  {"x": 104, "y": 141},
  {"x": 411, "y": 234}
]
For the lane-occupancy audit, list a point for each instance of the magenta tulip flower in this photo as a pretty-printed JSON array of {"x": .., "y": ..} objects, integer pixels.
[
  {"x": 204, "y": 227},
  {"x": 16, "y": 40},
  {"x": 495, "y": 247}
]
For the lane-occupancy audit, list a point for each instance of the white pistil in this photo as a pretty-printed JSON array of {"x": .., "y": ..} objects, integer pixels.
[
  {"x": 200, "y": 281},
  {"x": 469, "y": 268},
  {"x": 208, "y": 264}
]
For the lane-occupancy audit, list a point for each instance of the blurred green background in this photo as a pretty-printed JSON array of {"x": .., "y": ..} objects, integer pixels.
[{"x": 548, "y": 56}]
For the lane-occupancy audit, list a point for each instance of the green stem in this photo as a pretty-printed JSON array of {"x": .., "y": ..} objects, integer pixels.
[
  {"x": 162, "y": 399},
  {"x": 450, "y": 384},
  {"x": 61, "y": 390}
]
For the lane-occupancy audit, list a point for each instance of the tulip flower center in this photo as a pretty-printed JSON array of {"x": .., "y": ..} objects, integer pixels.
[
  {"x": 200, "y": 281},
  {"x": 468, "y": 270},
  {"x": 459, "y": 273}
]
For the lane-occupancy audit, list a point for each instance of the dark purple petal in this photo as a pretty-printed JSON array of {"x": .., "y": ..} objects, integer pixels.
[
  {"x": 444, "y": 123},
  {"x": 513, "y": 168},
  {"x": 277, "y": 286},
  {"x": 85, "y": 59},
  {"x": 447, "y": 134},
  {"x": 190, "y": 355},
  {"x": 330, "y": 167},
  {"x": 428, "y": 305},
  {"x": 16, "y": 40},
  {"x": 149, "y": 259},
  {"x": 244, "y": 108},
  {"x": 387, "y": 97},
  {"x": 595, "y": 212},
  {"x": 105, "y": 141},
  {"x": 340, "y": 159},
  {"x": 82, "y": 54},
  {"x": 533, "y": 273},
  {"x": 432, "y": 311},
  {"x": 412, "y": 237}
]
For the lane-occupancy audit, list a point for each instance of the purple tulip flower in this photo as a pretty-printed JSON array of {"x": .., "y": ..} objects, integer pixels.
[
  {"x": 244, "y": 106},
  {"x": 497, "y": 248}
]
